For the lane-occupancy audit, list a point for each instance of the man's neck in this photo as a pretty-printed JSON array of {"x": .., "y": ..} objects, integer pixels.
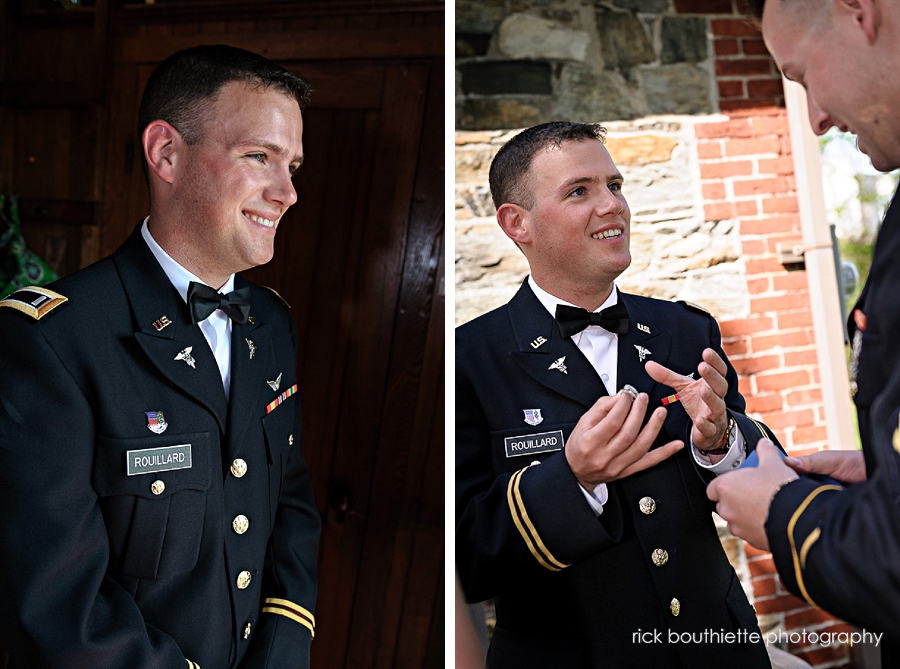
[{"x": 589, "y": 300}]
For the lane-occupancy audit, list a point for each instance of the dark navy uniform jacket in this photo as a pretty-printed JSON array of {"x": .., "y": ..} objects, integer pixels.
[
  {"x": 211, "y": 565},
  {"x": 840, "y": 548},
  {"x": 573, "y": 590}
]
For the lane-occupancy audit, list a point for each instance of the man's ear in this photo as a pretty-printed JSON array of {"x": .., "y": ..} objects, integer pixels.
[
  {"x": 161, "y": 145},
  {"x": 866, "y": 13},
  {"x": 513, "y": 220}
]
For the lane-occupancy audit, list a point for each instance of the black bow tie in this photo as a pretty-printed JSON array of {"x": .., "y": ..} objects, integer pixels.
[
  {"x": 573, "y": 320},
  {"x": 203, "y": 301}
]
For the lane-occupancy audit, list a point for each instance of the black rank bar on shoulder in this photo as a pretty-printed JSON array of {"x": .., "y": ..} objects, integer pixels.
[{"x": 34, "y": 301}]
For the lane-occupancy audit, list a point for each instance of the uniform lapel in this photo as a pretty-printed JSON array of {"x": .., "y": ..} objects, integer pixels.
[
  {"x": 164, "y": 330},
  {"x": 638, "y": 343},
  {"x": 250, "y": 376},
  {"x": 543, "y": 352}
]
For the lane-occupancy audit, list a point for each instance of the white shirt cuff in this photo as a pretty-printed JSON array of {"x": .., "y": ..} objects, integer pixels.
[
  {"x": 597, "y": 498},
  {"x": 732, "y": 460}
]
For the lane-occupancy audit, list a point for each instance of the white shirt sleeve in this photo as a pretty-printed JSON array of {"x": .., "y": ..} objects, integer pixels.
[
  {"x": 732, "y": 460},
  {"x": 597, "y": 498}
]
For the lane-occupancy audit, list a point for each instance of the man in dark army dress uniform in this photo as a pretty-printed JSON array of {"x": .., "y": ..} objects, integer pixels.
[
  {"x": 594, "y": 534},
  {"x": 156, "y": 508},
  {"x": 836, "y": 546}
]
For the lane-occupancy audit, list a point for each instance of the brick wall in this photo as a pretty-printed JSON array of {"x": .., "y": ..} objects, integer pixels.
[{"x": 747, "y": 173}]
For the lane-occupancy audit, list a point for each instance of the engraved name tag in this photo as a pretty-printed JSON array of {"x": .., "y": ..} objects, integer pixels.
[
  {"x": 148, "y": 460},
  {"x": 528, "y": 444}
]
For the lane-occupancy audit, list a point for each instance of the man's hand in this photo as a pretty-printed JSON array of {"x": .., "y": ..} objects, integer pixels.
[
  {"x": 743, "y": 497},
  {"x": 845, "y": 466},
  {"x": 703, "y": 399},
  {"x": 608, "y": 442}
]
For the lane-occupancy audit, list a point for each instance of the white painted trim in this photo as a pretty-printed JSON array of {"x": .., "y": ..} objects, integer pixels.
[{"x": 823, "y": 286}]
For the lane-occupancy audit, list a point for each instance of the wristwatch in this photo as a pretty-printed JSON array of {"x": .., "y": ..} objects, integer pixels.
[{"x": 727, "y": 440}]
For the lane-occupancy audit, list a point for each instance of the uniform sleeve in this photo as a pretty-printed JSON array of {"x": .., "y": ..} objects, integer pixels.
[
  {"x": 57, "y": 606},
  {"x": 837, "y": 548},
  {"x": 515, "y": 526},
  {"x": 287, "y": 623}
]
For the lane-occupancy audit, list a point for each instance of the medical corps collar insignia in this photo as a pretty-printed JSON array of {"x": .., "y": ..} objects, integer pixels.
[{"x": 156, "y": 422}]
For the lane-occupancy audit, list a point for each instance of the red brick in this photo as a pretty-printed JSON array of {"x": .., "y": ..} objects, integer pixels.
[
  {"x": 746, "y": 208},
  {"x": 782, "y": 380},
  {"x": 776, "y": 243},
  {"x": 764, "y": 586},
  {"x": 795, "y": 319},
  {"x": 819, "y": 655},
  {"x": 711, "y": 150},
  {"x": 781, "y": 165},
  {"x": 752, "y": 147},
  {"x": 735, "y": 27},
  {"x": 715, "y": 191},
  {"x": 733, "y": 128},
  {"x": 784, "y": 419},
  {"x": 718, "y": 211},
  {"x": 763, "y": 265},
  {"x": 731, "y": 89},
  {"x": 754, "y": 46},
  {"x": 791, "y": 281},
  {"x": 764, "y": 403},
  {"x": 726, "y": 47},
  {"x": 729, "y": 168},
  {"x": 703, "y": 6},
  {"x": 752, "y": 552},
  {"x": 762, "y": 343},
  {"x": 751, "y": 107},
  {"x": 744, "y": 326},
  {"x": 745, "y": 385},
  {"x": 809, "y": 435},
  {"x": 771, "y": 224},
  {"x": 735, "y": 347},
  {"x": 778, "y": 604},
  {"x": 752, "y": 247},
  {"x": 784, "y": 203},
  {"x": 762, "y": 565},
  {"x": 838, "y": 627},
  {"x": 779, "y": 302},
  {"x": 757, "y": 88},
  {"x": 743, "y": 67},
  {"x": 806, "y": 618},
  {"x": 769, "y": 125},
  {"x": 797, "y": 451},
  {"x": 758, "y": 363},
  {"x": 808, "y": 396},
  {"x": 801, "y": 358},
  {"x": 760, "y": 186}
]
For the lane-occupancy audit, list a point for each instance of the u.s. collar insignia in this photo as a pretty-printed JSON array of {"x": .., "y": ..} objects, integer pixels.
[
  {"x": 161, "y": 322},
  {"x": 274, "y": 385},
  {"x": 533, "y": 416},
  {"x": 252, "y": 347},
  {"x": 560, "y": 365},
  {"x": 185, "y": 354},
  {"x": 642, "y": 352},
  {"x": 643, "y": 328},
  {"x": 156, "y": 422},
  {"x": 537, "y": 342}
]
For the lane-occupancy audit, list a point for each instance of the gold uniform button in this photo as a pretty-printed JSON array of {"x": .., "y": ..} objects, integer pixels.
[
  {"x": 240, "y": 523},
  {"x": 675, "y": 606},
  {"x": 290, "y": 440},
  {"x": 243, "y": 579},
  {"x": 238, "y": 468},
  {"x": 659, "y": 557},
  {"x": 647, "y": 505},
  {"x": 157, "y": 487}
]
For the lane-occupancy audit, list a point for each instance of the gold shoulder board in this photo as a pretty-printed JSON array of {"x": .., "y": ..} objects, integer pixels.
[
  {"x": 275, "y": 293},
  {"x": 33, "y": 301}
]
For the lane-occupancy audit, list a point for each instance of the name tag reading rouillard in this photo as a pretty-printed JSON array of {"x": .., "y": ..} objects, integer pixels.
[
  {"x": 534, "y": 443},
  {"x": 149, "y": 460}
]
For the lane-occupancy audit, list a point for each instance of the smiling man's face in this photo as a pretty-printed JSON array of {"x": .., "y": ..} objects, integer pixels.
[{"x": 577, "y": 232}]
